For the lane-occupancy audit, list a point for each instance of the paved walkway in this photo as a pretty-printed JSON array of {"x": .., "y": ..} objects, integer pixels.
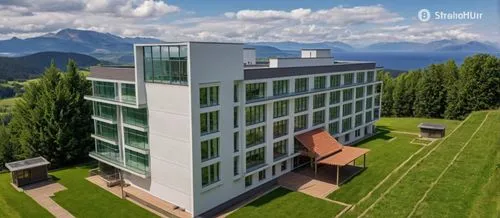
[{"x": 42, "y": 193}]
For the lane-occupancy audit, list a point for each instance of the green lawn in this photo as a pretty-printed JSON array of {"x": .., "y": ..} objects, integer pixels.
[
  {"x": 17, "y": 204},
  {"x": 288, "y": 204},
  {"x": 410, "y": 124},
  {"x": 84, "y": 199}
]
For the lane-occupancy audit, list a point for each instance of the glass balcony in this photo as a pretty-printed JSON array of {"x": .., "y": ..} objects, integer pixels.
[{"x": 135, "y": 117}]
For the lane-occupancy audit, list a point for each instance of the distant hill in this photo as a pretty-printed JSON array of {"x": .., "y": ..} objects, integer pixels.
[{"x": 32, "y": 65}]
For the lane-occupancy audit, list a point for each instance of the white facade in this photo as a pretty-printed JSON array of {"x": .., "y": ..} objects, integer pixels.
[{"x": 179, "y": 170}]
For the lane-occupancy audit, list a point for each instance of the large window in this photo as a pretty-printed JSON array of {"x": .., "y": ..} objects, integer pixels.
[
  {"x": 209, "y": 122},
  {"x": 360, "y": 92},
  {"x": 209, "y": 149},
  {"x": 300, "y": 122},
  {"x": 106, "y": 111},
  {"x": 368, "y": 116},
  {"x": 256, "y": 157},
  {"x": 235, "y": 117},
  {"x": 347, "y": 95},
  {"x": 333, "y": 128},
  {"x": 359, "y": 106},
  {"x": 335, "y": 97},
  {"x": 334, "y": 81},
  {"x": 334, "y": 112},
  {"x": 376, "y": 113},
  {"x": 209, "y": 96},
  {"x": 262, "y": 175},
  {"x": 360, "y": 77},
  {"x": 280, "y": 149},
  {"x": 236, "y": 165},
  {"x": 136, "y": 117},
  {"x": 319, "y": 100},
  {"x": 369, "y": 103},
  {"x": 255, "y": 114},
  {"x": 358, "y": 120},
  {"x": 369, "y": 90},
  {"x": 280, "y": 108},
  {"x": 165, "y": 64},
  {"x": 108, "y": 150},
  {"x": 301, "y": 85},
  {"x": 128, "y": 93},
  {"x": 236, "y": 141},
  {"x": 346, "y": 124},
  {"x": 280, "y": 128},
  {"x": 235, "y": 94},
  {"x": 104, "y": 90},
  {"x": 301, "y": 104},
  {"x": 255, "y": 91},
  {"x": 371, "y": 76},
  {"x": 377, "y": 100},
  {"x": 137, "y": 160},
  {"x": 210, "y": 174},
  {"x": 255, "y": 136},
  {"x": 348, "y": 78},
  {"x": 280, "y": 87},
  {"x": 346, "y": 109},
  {"x": 136, "y": 138},
  {"x": 320, "y": 82},
  {"x": 318, "y": 117},
  {"x": 248, "y": 180},
  {"x": 106, "y": 130}
]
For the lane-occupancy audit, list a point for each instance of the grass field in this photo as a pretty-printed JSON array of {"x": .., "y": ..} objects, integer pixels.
[
  {"x": 17, "y": 204},
  {"x": 288, "y": 204},
  {"x": 409, "y": 124},
  {"x": 84, "y": 199}
]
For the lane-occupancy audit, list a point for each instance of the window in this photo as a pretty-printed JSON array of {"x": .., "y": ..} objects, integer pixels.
[
  {"x": 280, "y": 108},
  {"x": 165, "y": 64},
  {"x": 137, "y": 160},
  {"x": 210, "y": 174},
  {"x": 300, "y": 122},
  {"x": 378, "y": 88},
  {"x": 256, "y": 157},
  {"x": 255, "y": 91},
  {"x": 255, "y": 114},
  {"x": 357, "y": 133},
  {"x": 301, "y": 104},
  {"x": 319, "y": 100},
  {"x": 360, "y": 77},
  {"x": 104, "y": 90},
  {"x": 369, "y": 103},
  {"x": 106, "y": 111},
  {"x": 248, "y": 180},
  {"x": 262, "y": 175},
  {"x": 346, "y": 109},
  {"x": 346, "y": 124},
  {"x": 280, "y": 128},
  {"x": 136, "y": 117},
  {"x": 209, "y": 149},
  {"x": 368, "y": 116},
  {"x": 369, "y": 90},
  {"x": 376, "y": 113},
  {"x": 255, "y": 136},
  {"x": 236, "y": 165},
  {"x": 334, "y": 81},
  {"x": 320, "y": 82},
  {"x": 108, "y": 150},
  {"x": 371, "y": 76},
  {"x": 235, "y": 117},
  {"x": 280, "y": 87},
  {"x": 301, "y": 85},
  {"x": 318, "y": 117},
  {"x": 273, "y": 170},
  {"x": 358, "y": 120},
  {"x": 209, "y": 122},
  {"x": 360, "y": 92},
  {"x": 377, "y": 100},
  {"x": 348, "y": 78},
  {"x": 347, "y": 137},
  {"x": 334, "y": 97},
  {"x": 236, "y": 141},
  {"x": 347, "y": 95},
  {"x": 128, "y": 93},
  {"x": 333, "y": 128},
  {"x": 283, "y": 166},
  {"x": 280, "y": 149},
  {"x": 209, "y": 96},
  {"x": 106, "y": 130},
  {"x": 134, "y": 138},
  {"x": 235, "y": 97},
  {"x": 359, "y": 106},
  {"x": 334, "y": 112}
]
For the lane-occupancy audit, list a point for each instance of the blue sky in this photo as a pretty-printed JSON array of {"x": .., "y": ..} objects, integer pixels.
[{"x": 357, "y": 22}]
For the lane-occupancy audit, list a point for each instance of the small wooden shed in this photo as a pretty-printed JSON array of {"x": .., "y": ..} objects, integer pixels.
[
  {"x": 431, "y": 130},
  {"x": 28, "y": 171}
]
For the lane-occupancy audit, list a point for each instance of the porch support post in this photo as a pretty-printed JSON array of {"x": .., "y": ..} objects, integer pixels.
[
  {"x": 364, "y": 160},
  {"x": 354, "y": 162},
  {"x": 315, "y": 168},
  {"x": 338, "y": 172}
]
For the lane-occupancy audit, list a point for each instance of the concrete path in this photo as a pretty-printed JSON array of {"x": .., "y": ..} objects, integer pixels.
[{"x": 42, "y": 193}]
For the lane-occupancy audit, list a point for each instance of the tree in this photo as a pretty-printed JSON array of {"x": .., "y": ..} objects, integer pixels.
[
  {"x": 387, "y": 89},
  {"x": 8, "y": 151},
  {"x": 431, "y": 94},
  {"x": 404, "y": 94}
]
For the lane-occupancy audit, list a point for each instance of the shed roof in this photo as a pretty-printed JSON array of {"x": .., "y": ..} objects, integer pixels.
[
  {"x": 431, "y": 126},
  {"x": 320, "y": 142},
  {"x": 27, "y": 164},
  {"x": 346, "y": 156}
]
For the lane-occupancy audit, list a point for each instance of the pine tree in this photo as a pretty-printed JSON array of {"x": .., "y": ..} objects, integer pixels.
[
  {"x": 387, "y": 89},
  {"x": 431, "y": 93}
]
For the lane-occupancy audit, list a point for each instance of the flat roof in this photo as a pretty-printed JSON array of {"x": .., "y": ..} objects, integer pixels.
[
  {"x": 26, "y": 164},
  {"x": 113, "y": 73},
  {"x": 431, "y": 126}
]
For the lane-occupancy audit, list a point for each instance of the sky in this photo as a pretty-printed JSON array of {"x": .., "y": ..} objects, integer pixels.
[{"x": 357, "y": 22}]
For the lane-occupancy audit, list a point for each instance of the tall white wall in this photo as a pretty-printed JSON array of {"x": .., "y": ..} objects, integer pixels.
[{"x": 249, "y": 56}]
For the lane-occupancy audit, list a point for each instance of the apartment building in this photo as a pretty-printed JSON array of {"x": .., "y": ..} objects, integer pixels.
[{"x": 198, "y": 124}]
